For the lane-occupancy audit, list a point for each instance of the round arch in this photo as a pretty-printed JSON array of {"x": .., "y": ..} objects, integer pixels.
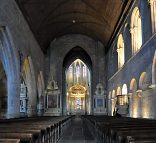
[
  {"x": 133, "y": 85},
  {"x": 143, "y": 81},
  {"x": 121, "y": 51},
  {"x": 118, "y": 92},
  {"x": 10, "y": 61},
  {"x": 136, "y": 30}
]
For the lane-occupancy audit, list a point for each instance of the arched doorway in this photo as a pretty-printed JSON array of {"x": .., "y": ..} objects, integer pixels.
[{"x": 77, "y": 74}]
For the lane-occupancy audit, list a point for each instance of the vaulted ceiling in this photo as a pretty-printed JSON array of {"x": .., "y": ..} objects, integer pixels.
[{"x": 49, "y": 19}]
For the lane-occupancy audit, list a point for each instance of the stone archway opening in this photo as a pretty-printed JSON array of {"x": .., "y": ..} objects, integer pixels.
[
  {"x": 78, "y": 88},
  {"x": 77, "y": 68}
]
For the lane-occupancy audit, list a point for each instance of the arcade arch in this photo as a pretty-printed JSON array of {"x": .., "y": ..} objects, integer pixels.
[
  {"x": 29, "y": 78},
  {"x": 9, "y": 60}
]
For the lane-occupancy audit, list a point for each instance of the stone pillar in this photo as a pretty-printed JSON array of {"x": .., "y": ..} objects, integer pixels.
[
  {"x": 130, "y": 104},
  {"x": 113, "y": 103},
  {"x": 13, "y": 110},
  {"x": 153, "y": 14},
  {"x": 133, "y": 32},
  {"x": 40, "y": 105}
]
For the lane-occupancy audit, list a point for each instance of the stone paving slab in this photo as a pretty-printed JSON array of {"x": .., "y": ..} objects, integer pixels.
[{"x": 77, "y": 133}]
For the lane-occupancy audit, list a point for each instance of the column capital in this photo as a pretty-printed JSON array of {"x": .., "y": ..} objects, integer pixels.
[
  {"x": 151, "y": 2},
  {"x": 132, "y": 30}
]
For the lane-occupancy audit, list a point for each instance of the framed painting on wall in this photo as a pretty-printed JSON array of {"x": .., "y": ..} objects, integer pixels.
[
  {"x": 52, "y": 101},
  {"x": 99, "y": 102}
]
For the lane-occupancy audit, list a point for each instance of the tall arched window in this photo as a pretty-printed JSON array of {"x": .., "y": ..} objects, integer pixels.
[
  {"x": 118, "y": 91},
  {"x": 153, "y": 14},
  {"x": 120, "y": 50},
  {"x": 124, "y": 90},
  {"x": 136, "y": 30}
]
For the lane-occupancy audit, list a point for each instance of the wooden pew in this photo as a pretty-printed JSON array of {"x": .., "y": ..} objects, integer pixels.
[
  {"x": 111, "y": 129},
  {"x": 9, "y": 140},
  {"x": 24, "y": 137},
  {"x": 34, "y": 130}
]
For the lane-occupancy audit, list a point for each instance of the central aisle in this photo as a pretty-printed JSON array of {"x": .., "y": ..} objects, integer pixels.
[{"x": 77, "y": 133}]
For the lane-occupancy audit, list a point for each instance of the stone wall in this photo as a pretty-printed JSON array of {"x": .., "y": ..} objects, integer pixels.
[
  {"x": 139, "y": 67},
  {"x": 22, "y": 44},
  {"x": 60, "y": 48}
]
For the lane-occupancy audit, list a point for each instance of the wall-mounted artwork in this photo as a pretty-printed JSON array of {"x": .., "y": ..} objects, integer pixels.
[
  {"x": 99, "y": 102},
  {"x": 52, "y": 101}
]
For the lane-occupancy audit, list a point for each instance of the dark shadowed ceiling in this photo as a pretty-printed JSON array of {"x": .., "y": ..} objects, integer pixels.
[{"x": 49, "y": 19}]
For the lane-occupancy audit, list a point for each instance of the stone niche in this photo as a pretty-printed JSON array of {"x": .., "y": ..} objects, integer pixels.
[
  {"x": 99, "y": 101},
  {"x": 53, "y": 100}
]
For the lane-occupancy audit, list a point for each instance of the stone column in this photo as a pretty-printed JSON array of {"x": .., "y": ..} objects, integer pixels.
[
  {"x": 13, "y": 110},
  {"x": 153, "y": 14},
  {"x": 130, "y": 104},
  {"x": 133, "y": 32}
]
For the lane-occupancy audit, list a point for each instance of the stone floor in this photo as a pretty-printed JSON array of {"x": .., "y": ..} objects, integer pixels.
[{"x": 77, "y": 133}]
